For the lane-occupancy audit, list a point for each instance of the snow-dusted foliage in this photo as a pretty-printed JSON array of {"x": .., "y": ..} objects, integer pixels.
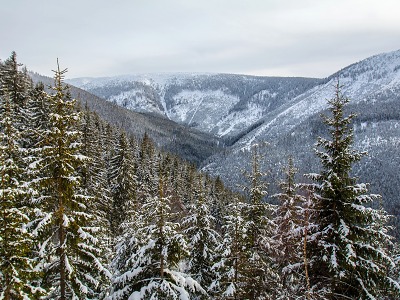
[
  {"x": 68, "y": 247},
  {"x": 16, "y": 263},
  {"x": 149, "y": 260},
  {"x": 94, "y": 177},
  {"x": 262, "y": 278},
  {"x": 123, "y": 183},
  {"x": 348, "y": 251},
  {"x": 202, "y": 238},
  {"x": 229, "y": 268},
  {"x": 246, "y": 268},
  {"x": 73, "y": 187},
  {"x": 289, "y": 234}
]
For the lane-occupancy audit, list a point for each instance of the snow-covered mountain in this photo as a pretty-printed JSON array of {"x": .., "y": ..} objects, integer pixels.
[
  {"x": 221, "y": 104},
  {"x": 373, "y": 86},
  {"x": 285, "y": 112},
  {"x": 370, "y": 84}
]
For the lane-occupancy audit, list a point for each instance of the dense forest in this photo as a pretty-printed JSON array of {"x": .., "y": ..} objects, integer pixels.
[{"x": 88, "y": 211}]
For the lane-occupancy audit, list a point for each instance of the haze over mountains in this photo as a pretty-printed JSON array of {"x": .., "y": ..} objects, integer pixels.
[{"x": 238, "y": 110}]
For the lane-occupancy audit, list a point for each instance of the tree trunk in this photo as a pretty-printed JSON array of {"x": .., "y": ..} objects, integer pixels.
[{"x": 61, "y": 236}]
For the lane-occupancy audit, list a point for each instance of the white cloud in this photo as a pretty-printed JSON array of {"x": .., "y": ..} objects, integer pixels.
[{"x": 94, "y": 38}]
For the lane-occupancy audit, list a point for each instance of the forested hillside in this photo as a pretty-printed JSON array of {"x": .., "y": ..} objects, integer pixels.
[
  {"x": 221, "y": 104},
  {"x": 188, "y": 143},
  {"x": 373, "y": 85},
  {"x": 89, "y": 211}
]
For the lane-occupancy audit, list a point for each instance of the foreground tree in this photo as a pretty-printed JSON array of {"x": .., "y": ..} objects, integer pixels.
[
  {"x": 69, "y": 256},
  {"x": 262, "y": 278},
  {"x": 149, "y": 257},
  {"x": 348, "y": 251},
  {"x": 203, "y": 239},
  {"x": 289, "y": 234},
  {"x": 16, "y": 264},
  {"x": 229, "y": 269}
]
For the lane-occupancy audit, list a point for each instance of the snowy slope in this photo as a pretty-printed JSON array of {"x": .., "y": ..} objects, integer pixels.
[
  {"x": 375, "y": 79},
  {"x": 221, "y": 104},
  {"x": 373, "y": 86}
]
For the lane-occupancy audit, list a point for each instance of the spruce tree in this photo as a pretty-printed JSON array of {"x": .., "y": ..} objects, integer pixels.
[
  {"x": 68, "y": 247},
  {"x": 37, "y": 112},
  {"x": 229, "y": 269},
  {"x": 203, "y": 239},
  {"x": 262, "y": 278},
  {"x": 149, "y": 258},
  {"x": 348, "y": 252},
  {"x": 16, "y": 84},
  {"x": 123, "y": 183},
  {"x": 289, "y": 234},
  {"x": 16, "y": 264}
]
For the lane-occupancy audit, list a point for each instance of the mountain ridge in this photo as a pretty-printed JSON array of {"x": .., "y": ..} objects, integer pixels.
[
  {"x": 220, "y": 104},
  {"x": 284, "y": 112},
  {"x": 188, "y": 143}
]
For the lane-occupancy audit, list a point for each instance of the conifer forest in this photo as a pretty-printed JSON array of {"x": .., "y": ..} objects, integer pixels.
[{"x": 90, "y": 211}]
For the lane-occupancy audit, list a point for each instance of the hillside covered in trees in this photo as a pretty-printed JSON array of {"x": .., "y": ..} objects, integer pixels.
[{"x": 88, "y": 211}]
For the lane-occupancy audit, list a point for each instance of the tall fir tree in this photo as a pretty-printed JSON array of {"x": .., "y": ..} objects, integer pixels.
[
  {"x": 148, "y": 260},
  {"x": 68, "y": 248},
  {"x": 289, "y": 235},
  {"x": 15, "y": 83},
  {"x": 16, "y": 263},
  {"x": 229, "y": 269},
  {"x": 348, "y": 253},
  {"x": 37, "y": 112},
  {"x": 202, "y": 237},
  {"x": 123, "y": 184},
  {"x": 262, "y": 278}
]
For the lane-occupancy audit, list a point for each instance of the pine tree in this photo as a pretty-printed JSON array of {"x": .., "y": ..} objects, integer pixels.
[
  {"x": 220, "y": 202},
  {"x": 94, "y": 179},
  {"x": 16, "y": 265},
  {"x": 289, "y": 234},
  {"x": 229, "y": 269},
  {"x": 123, "y": 184},
  {"x": 16, "y": 84},
  {"x": 348, "y": 251},
  {"x": 37, "y": 112},
  {"x": 149, "y": 258},
  {"x": 262, "y": 278},
  {"x": 203, "y": 239},
  {"x": 68, "y": 248}
]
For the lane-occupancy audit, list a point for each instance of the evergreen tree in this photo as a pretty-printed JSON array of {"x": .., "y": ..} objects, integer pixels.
[
  {"x": 229, "y": 269},
  {"x": 37, "y": 112},
  {"x": 123, "y": 184},
  {"x": 220, "y": 202},
  {"x": 68, "y": 247},
  {"x": 349, "y": 250},
  {"x": 148, "y": 260},
  {"x": 94, "y": 179},
  {"x": 16, "y": 84},
  {"x": 16, "y": 265},
  {"x": 262, "y": 278},
  {"x": 203, "y": 239},
  {"x": 288, "y": 236}
]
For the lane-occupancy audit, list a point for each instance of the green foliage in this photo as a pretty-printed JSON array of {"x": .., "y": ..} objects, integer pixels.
[
  {"x": 16, "y": 264},
  {"x": 70, "y": 260},
  {"x": 73, "y": 186},
  {"x": 349, "y": 244},
  {"x": 203, "y": 239},
  {"x": 288, "y": 236}
]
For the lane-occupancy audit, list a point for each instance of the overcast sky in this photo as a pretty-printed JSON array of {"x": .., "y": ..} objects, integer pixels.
[{"x": 312, "y": 38}]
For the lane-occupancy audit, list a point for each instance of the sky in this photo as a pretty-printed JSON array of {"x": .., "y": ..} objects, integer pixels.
[{"x": 93, "y": 38}]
